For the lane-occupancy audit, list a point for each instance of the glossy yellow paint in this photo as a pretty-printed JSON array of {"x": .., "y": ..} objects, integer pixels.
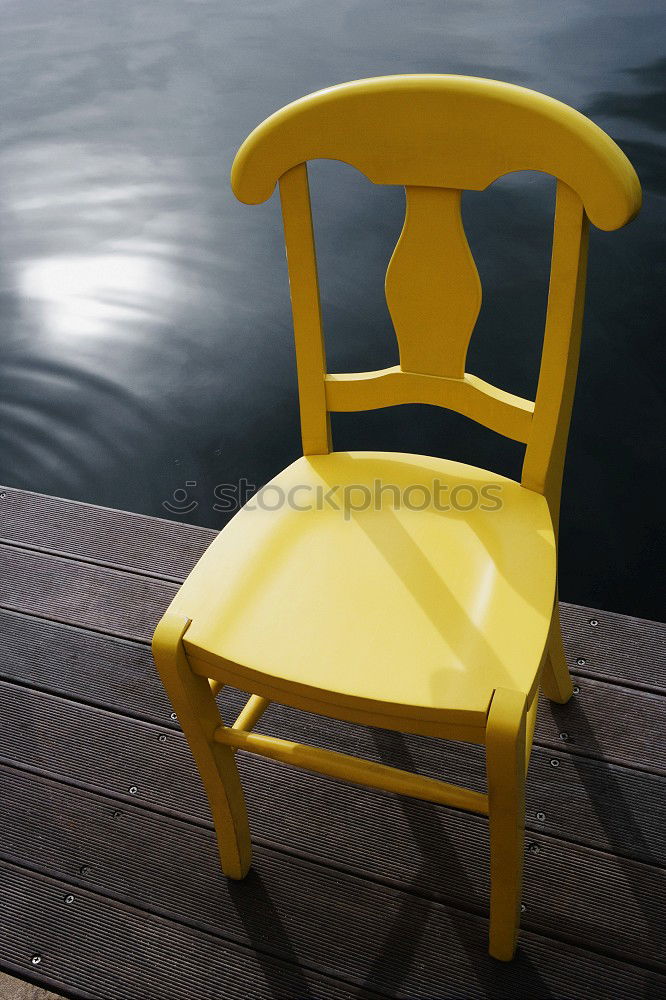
[
  {"x": 441, "y": 131},
  {"x": 195, "y": 707},
  {"x": 495, "y": 408},
  {"x": 433, "y": 289},
  {"x": 506, "y": 763},
  {"x": 306, "y": 309},
  {"x": 252, "y": 711},
  {"x": 363, "y": 772},
  {"x": 407, "y": 606},
  {"x": 317, "y": 600}
]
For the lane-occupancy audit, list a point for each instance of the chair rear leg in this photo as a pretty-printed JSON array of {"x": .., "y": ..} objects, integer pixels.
[
  {"x": 505, "y": 761},
  {"x": 199, "y": 717},
  {"x": 555, "y": 677}
]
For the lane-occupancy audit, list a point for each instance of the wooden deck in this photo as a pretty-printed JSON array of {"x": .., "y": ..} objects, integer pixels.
[{"x": 110, "y": 883}]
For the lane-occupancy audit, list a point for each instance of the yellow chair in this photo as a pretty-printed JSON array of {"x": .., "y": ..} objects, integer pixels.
[{"x": 427, "y": 603}]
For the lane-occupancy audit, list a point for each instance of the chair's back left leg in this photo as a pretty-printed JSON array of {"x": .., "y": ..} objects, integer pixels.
[
  {"x": 555, "y": 677},
  {"x": 199, "y": 717},
  {"x": 505, "y": 761}
]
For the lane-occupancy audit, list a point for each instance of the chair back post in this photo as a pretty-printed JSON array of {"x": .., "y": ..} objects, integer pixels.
[
  {"x": 543, "y": 465},
  {"x": 306, "y": 310}
]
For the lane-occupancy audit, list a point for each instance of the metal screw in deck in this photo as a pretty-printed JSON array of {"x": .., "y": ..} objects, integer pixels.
[
  {"x": 69, "y": 899},
  {"x": 174, "y": 717},
  {"x": 593, "y": 621},
  {"x": 36, "y": 959},
  {"x": 581, "y": 661},
  {"x": 541, "y": 816},
  {"x": 133, "y": 790},
  {"x": 564, "y": 737},
  {"x": 533, "y": 848},
  {"x": 554, "y": 762}
]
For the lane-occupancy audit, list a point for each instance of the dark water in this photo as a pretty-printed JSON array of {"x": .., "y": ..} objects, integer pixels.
[{"x": 145, "y": 322}]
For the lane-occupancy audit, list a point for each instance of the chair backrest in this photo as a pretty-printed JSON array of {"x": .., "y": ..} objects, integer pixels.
[{"x": 438, "y": 135}]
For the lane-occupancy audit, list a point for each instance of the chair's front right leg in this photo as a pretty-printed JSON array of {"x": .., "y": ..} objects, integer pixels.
[
  {"x": 199, "y": 717},
  {"x": 505, "y": 761}
]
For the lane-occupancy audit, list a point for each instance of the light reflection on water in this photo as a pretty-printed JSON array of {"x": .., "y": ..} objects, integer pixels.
[{"x": 144, "y": 313}]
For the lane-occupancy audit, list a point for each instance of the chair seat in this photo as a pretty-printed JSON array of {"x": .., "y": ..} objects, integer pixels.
[{"x": 403, "y": 609}]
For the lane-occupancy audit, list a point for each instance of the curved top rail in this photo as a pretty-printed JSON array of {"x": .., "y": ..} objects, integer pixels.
[{"x": 433, "y": 130}]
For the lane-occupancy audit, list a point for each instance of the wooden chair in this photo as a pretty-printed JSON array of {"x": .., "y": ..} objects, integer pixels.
[{"x": 405, "y": 616}]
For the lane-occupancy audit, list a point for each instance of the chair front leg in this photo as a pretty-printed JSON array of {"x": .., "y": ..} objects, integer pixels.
[
  {"x": 197, "y": 712},
  {"x": 505, "y": 761},
  {"x": 555, "y": 677}
]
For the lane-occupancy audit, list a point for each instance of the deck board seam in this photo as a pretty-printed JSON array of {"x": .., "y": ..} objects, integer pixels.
[
  {"x": 133, "y": 638},
  {"x": 169, "y": 724},
  {"x": 388, "y": 883},
  {"x": 193, "y": 820},
  {"x": 624, "y": 683},
  {"x": 176, "y": 581},
  {"x": 565, "y": 748},
  {"x": 657, "y": 772},
  {"x": 151, "y": 720},
  {"x": 114, "y": 634},
  {"x": 190, "y": 818},
  {"x": 104, "y": 564},
  {"x": 83, "y": 560},
  {"x": 203, "y": 928},
  {"x": 252, "y": 949},
  {"x": 110, "y": 510},
  {"x": 208, "y": 534}
]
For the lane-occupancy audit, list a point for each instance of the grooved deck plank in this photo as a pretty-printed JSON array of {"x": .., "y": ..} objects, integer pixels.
[
  {"x": 96, "y": 947},
  {"x": 619, "y": 648},
  {"x": 106, "y": 948},
  {"x": 608, "y": 722},
  {"x": 604, "y": 721},
  {"x": 171, "y": 866},
  {"x": 603, "y": 806},
  {"x": 118, "y": 674},
  {"x": 349, "y": 883},
  {"x": 91, "y": 596},
  {"x": 114, "y": 537}
]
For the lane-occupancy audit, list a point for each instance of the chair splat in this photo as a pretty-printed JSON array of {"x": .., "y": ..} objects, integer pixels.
[{"x": 433, "y": 289}]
